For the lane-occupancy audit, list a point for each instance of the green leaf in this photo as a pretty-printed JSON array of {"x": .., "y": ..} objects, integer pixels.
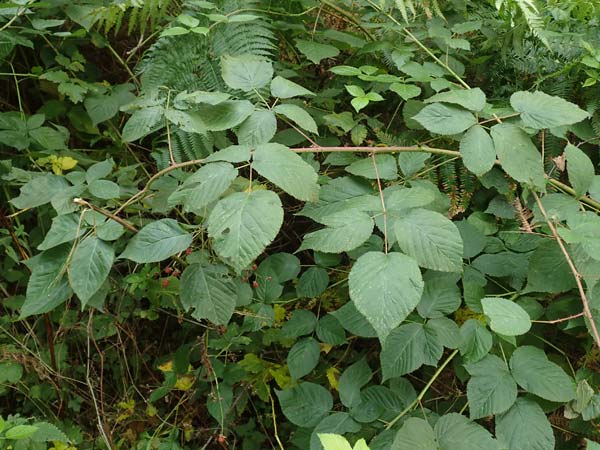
[
  {"x": 525, "y": 427},
  {"x": 415, "y": 434},
  {"x": 441, "y": 295},
  {"x": 353, "y": 321},
  {"x": 10, "y": 372},
  {"x": 143, "y": 122},
  {"x": 157, "y": 241},
  {"x": 407, "y": 348},
  {"x": 189, "y": 121},
  {"x": 352, "y": 380},
  {"x": 330, "y": 331},
  {"x": 303, "y": 357},
  {"x": 89, "y": 267},
  {"x": 258, "y": 128},
  {"x": 540, "y": 110},
  {"x": 313, "y": 282},
  {"x": 232, "y": 154},
  {"x": 315, "y": 52},
  {"x": 47, "y": 432},
  {"x": 47, "y": 287},
  {"x": 39, "y": 191},
  {"x": 432, "y": 239},
  {"x": 284, "y": 168},
  {"x": 104, "y": 107},
  {"x": 506, "y": 317},
  {"x": 359, "y": 103},
  {"x": 536, "y": 374},
  {"x": 405, "y": 91},
  {"x": 284, "y": 88},
  {"x": 331, "y": 441},
  {"x": 297, "y": 115},
  {"x": 346, "y": 230},
  {"x": 99, "y": 170},
  {"x": 477, "y": 150},
  {"x": 471, "y": 99},
  {"x": 580, "y": 169},
  {"x": 549, "y": 270},
  {"x": 246, "y": 72},
  {"x": 443, "y": 119},
  {"x": 385, "y": 288},
  {"x": 104, "y": 189},
  {"x": 475, "y": 341},
  {"x": 64, "y": 228},
  {"x": 386, "y": 167},
  {"x": 205, "y": 186},
  {"x": 455, "y": 431},
  {"x": 305, "y": 404},
  {"x": 301, "y": 323},
  {"x": 491, "y": 389},
  {"x": 209, "y": 292},
  {"x": 225, "y": 115},
  {"x": 243, "y": 224},
  {"x": 518, "y": 156},
  {"x": 20, "y": 432}
]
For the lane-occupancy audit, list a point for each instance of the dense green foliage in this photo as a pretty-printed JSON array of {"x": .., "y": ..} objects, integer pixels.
[{"x": 300, "y": 224}]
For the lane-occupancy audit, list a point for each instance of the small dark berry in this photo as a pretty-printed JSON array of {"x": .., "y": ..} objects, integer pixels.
[
  {"x": 254, "y": 267},
  {"x": 255, "y": 284},
  {"x": 176, "y": 273},
  {"x": 168, "y": 270},
  {"x": 188, "y": 251},
  {"x": 164, "y": 282}
]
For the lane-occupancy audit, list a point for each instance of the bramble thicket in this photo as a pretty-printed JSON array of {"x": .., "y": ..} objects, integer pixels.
[{"x": 300, "y": 224}]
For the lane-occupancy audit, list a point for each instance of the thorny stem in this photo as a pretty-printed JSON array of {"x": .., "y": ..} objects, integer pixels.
[
  {"x": 584, "y": 300},
  {"x": 384, "y": 211}
]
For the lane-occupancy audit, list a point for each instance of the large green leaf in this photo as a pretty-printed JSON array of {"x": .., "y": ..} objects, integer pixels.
[
  {"x": 540, "y": 110},
  {"x": 441, "y": 295},
  {"x": 303, "y": 357},
  {"x": 297, "y": 115},
  {"x": 64, "y": 228},
  {"x": 352, "y": 380},
  {"x": 284, "y": 168},
  {"x": 456, "y": 432},
  {"x": 338, "y": 423},
  {"x": 157, "y": 241},
  {"x": 258, "y": 128},
  {"x": 315, "y": 52},
  {"x": 518, "y": 156},
  {"x": 39, "y": 191},
  {"x": 246, "y": 72},
  {"x": 491, "y": 388},
  {"x": 208, "y": 291},
  {"x": 284, "y": 88},
  {"x": 305, "y": 404},
  {"x": 143, "y": 122},
  {"x": 243, "y": 224},
  {"x": 387, "y": 169},
  {"x": 404, "y": 350},
  {"x": 225, "y": 115},
  {"x": 580, "y": 168},
  {"x": 475, "y": 341},
  {"x": 549, "y": 270},
  {"x": 525, "y": 427},
  {"x": 385, "y": 288},
  {"x": 536, "y": 374},
  {"x": 443, "y": 119},
  {"x": 432, "y": 239},
  {"x": 472, "y": 99},
  {"x": 346, "y": 230},
  {"x": 203, "y": 187},
  {"x": 506, "y": 317},
  {"x": 415, "y": 434},
  {"x": 89, "y": 266},
  {"x": 48, "y": 286},
  {"x": 477, "y": 150}
]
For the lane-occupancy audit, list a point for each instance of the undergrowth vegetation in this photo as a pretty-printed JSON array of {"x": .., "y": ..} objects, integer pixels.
[{"x": 299, "y": 224}]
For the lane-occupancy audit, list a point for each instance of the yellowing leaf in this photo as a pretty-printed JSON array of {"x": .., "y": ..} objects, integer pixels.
[
  {"x": 333, "y": 375},
  {"x": 281, "y": 376},
  {"x": 166, "y": 367},
  {"x": 185, "y": 382},
  {"x": 325, "y": 348}
]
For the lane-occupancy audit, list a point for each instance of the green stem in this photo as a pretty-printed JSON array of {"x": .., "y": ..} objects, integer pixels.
[{"x": 419, "y": 398}]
